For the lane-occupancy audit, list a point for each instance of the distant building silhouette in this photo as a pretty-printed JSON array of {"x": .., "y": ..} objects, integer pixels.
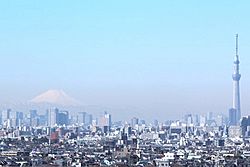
[
  {"x": 105, "y": 122},
  {"x": 134, "y": 121},
  {"x": 57, "y": 117},
  {"x": 245, "y": 125},
  {"x": 232, "y": 117}
]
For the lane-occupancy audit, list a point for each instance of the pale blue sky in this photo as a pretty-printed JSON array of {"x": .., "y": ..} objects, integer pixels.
[{"x": 157, "y": 57}]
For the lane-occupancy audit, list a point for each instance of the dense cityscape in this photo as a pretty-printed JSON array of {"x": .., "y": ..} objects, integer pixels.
[
  {"x": 153, "y": 83},
  {"x": 61, "y": 138}
]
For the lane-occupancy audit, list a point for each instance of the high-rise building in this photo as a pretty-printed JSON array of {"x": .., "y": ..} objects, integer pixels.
[
  {"x": 81, "y": 118},
  {"x": 8, "y": 118},
  {"x": 33, "y": 113},
  {"x": 245, "y": 126},
  {"x": 156, "y": 123},
  {"x": 57, "y": 117},
  {"x": 19, "y": 118},
  {"x": 134, "y": 121},
  {"x": 52, "y": 117},
  {"x": 6, "y": 115},
  {"x": 34, "y": 121},
  {"x": 210, "y": 116},
  {"x": 62, "y": 117},
  {"x": 196, "y": 119},
  {"x": 188, "y": 119},
  {"x": 142, "y": 122},
  {"x": 88, "y": 119},
  {"x": 105, "y": 122},
  {"x": 236, "y": 86},
  {"x": 219, "y": 120},
  {"x": 203, "y": 120},
  {"x": 232, "y": 117}
]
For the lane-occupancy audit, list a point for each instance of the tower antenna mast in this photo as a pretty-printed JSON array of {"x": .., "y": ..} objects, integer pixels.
[{"x": 237, "y": 45}]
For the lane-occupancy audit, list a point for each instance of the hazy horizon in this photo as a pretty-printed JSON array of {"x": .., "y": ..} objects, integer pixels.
[{"x": 157, "y": 59}]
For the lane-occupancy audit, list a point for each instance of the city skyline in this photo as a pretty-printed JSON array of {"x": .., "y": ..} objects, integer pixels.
[
  {"x": 124, "y": 83},
  {"x": 142, "y": 58}
]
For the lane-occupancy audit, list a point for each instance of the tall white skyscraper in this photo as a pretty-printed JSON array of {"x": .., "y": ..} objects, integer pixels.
[{"x": 52, "y": 116}]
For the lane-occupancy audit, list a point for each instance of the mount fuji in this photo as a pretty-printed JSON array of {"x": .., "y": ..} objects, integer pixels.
[{"x": 56, "y": 97}]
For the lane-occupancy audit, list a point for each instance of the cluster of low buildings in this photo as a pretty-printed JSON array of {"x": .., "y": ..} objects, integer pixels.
[{"x": 187, "y": 142}]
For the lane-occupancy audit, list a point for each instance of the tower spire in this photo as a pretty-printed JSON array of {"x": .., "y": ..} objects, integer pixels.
[
  {"x": 236, "y": 88},
  {"x": 236, "y": 44}
]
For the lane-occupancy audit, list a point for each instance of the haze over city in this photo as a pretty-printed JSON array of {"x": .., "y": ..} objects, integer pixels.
[{"x": 158, "y": 59}]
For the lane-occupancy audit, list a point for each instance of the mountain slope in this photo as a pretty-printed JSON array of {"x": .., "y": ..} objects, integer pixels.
[{"x": 58, "y": 97}]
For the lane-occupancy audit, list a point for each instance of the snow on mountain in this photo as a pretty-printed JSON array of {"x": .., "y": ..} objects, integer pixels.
[{"x": 58, "y": 97}]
